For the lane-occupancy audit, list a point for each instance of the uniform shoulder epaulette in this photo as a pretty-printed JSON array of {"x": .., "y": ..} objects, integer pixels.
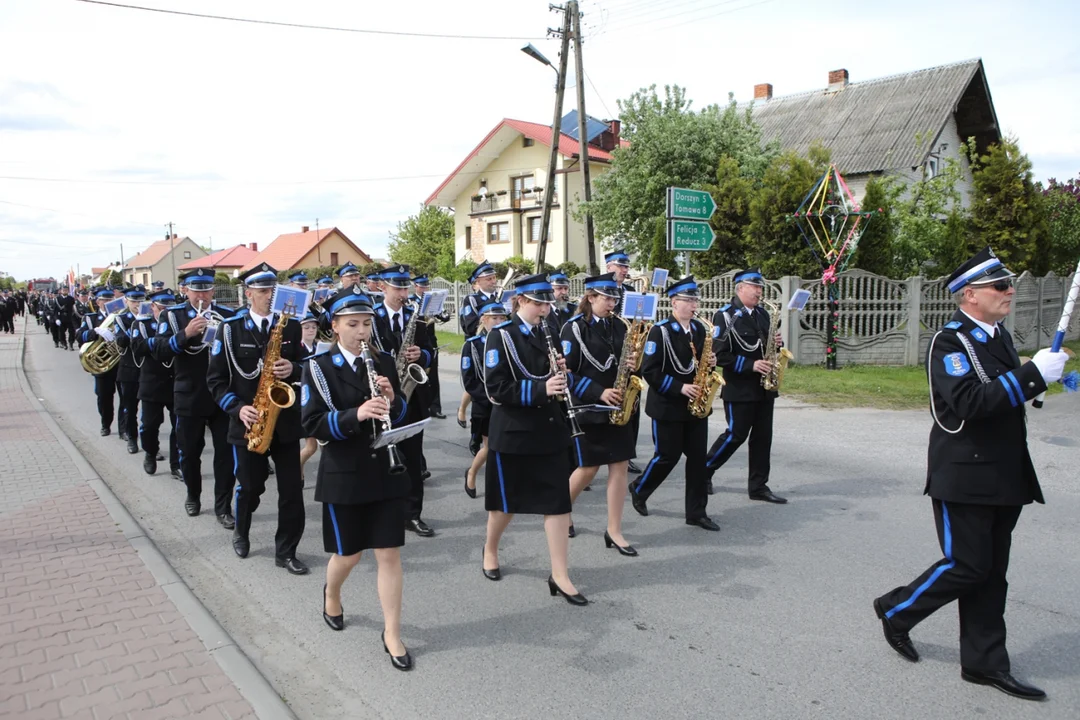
[
  {"x": 954, "y": 325},
  {"x": 576, "y": 317},
  {"x": 665, "y": 321},
  {"x": 316, "y": 355},
  {"x": 474, "y": 338},
  {"x": 234, "y": 318},
  {"x": 504, "y": 323},
  {"x": 725, "y": 308}
]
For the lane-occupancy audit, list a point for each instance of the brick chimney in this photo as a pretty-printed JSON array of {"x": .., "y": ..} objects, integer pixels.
[
  {"x": 763, "y": 91},
  {"x": 609, "y": 139},
  {"x": 255, "y": 247},
  {"x": 838, "y": 79},
  {"x": 304, "y": 228}
]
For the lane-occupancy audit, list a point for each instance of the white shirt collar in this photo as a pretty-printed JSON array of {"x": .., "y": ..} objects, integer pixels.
[
  {"x": 257, "y": 319},
  {"x": 349, "y": 357},
  {"x": 991, "y": 330}
]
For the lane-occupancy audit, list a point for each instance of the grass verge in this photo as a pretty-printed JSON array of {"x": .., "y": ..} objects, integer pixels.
[{"x": 453, "y": 341}]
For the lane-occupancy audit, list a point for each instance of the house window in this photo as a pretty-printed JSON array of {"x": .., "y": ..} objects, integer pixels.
[
  {"x": 144, "y": 280},
  {"x": 931, "y": 168},
  {"x": 526, "y": 142},
  {"x": 522, "y": 185},
  {"x": 498, "y": 232},
  {"x": 468, "y": 238},
  {"x": 333, "y": 259},
  {"x": 534, "y": 224},
  {"x": 187, "y": 254}
]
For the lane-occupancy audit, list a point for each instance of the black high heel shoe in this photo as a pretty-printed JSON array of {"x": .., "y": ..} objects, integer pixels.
[
  {"x": 495, "y": 574},
  {"x": 471, "y": 492},
  {"x": 336, "y": 622},
  {"x": 578, "y": 599},
  {"x": 400, "y": 662},
  {"x": 628, "y": 551}
]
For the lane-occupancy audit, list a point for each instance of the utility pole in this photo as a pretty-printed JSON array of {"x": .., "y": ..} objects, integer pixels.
[
  {"x": 172, "y": 256},
  {"x": 579, "y": 71},
  {"x": 560, "y": 89}
]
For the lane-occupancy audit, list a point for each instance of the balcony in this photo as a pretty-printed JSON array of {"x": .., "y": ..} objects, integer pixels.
[{"x": 496, "y": 202}]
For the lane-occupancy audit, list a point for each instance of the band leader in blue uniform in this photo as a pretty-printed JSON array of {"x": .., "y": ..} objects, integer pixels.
[
  {"x": 472, "y": 379},
  {"x": 363, "y": 502},
  {"x": 529, "y": 433},
  {"x": 593, "y": 341},
  {"x": 979, "y": 474}
]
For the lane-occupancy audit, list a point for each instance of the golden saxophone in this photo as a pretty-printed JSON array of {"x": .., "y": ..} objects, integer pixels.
[
  {"x": 710, "y": 381},
  {"x": 777, "y": 357},
  {"x": 410, "y": 375},
  {"x": 626, "y": 382},
  {"x": 272, "y": 396}
]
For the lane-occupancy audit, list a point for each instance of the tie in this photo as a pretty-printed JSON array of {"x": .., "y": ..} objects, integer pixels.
[
  {"x": 265, "y": 326},
  {"x": 356, "y": 364},
  {"x": 397, "y": 325}
]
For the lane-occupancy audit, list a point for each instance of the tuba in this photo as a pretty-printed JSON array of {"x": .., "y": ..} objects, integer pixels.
[
  {"x": 777, "y": 357},
  {"x": 99, "y": 355},
  {"x": 409, "y": 374},
  {"x": 272, "y": 396},
  {"x": 709, "y": 381},
  {"x": 626, "y": 382}
]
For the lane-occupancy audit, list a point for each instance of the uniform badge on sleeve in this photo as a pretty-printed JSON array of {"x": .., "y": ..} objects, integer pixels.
[
  {"x": 466, "y": 362},
  {"x": 956, "y": 364},
  {"x": 217, "y": 347},
  {"x": 163, "y": 327},
  {"x": 492, "y": 358},
  {"x": 650, "y": 348},
  {"x": 566, "y": 347},
  {"x": 305, "y": 395}
]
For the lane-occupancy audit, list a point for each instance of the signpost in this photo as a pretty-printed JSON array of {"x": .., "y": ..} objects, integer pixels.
[{"x": 688, "y": 229}]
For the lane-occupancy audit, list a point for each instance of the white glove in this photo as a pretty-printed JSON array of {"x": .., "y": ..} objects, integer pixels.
[
  {"x": 57, "y": 323},
  {"x": 108, "y": 335},
  {"x": 1051, "y": 364}
]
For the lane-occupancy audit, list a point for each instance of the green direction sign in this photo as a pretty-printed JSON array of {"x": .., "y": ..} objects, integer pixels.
[
  {"x": 685, "y": 235},
  {"x": 686, "y": 204}
]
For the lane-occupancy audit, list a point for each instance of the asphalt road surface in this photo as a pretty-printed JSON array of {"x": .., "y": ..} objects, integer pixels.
[{"x": 769, "y": 618}]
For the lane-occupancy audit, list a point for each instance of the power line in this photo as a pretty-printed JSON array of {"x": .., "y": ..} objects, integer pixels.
[
  {"x": 598, "y": 95},
  {"x": 303, "y": 26}
]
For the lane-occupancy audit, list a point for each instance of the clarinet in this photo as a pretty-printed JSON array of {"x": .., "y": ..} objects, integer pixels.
[
  {"x": 568, "y": 398},
  {"x": 397, "y": 465}
]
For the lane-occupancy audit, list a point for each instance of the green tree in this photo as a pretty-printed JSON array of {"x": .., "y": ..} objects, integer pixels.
[
  {"x": 425, "y": 241},
  {"x": 1063, "y": 218},
  {"x": 670, "y": 145},
  {"x": 112, "y": 277},
  {"x": 732, "y": 192},
  {"x": 1008, "y": 211},
  {"x": 773, "y": 242},
  {"x": 875, "y": 250}
]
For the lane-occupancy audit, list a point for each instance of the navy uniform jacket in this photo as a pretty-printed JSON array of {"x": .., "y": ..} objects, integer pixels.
[
  {"x": 987, "y": 462},
  {"x": 155, "y": 377},
  {"x": 472, "y": 374},
  {"x": 128, "y": 371},
  {"x": 603, "y": 340},
  {"x": 665, "y": 400},
  {"x": 239, "y": 348},
  {"x": 524, "y": 419},
  {"x": 191, "y": 396},
  {"x": 470, "y": 311},
  {"x": 65, "y": 309},
  {"x": 420, "y": 402},
  {"x": 736, "y": 355},
  {"x": 350, "y": 472}
]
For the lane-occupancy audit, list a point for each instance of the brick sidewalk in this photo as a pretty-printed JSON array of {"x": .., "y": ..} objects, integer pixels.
[{"x": 85, "y": 630}]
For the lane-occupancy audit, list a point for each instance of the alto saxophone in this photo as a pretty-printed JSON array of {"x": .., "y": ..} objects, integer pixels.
[
  {"x": 626, "y": 382},
  {"x": 409, "y": 374},
  {"x": 777, "y": 357},
  {"x": 272, "y": 396},
  {"x": 709, "y": 381}
]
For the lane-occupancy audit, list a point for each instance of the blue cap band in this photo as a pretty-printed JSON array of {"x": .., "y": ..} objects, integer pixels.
[
  {"x": 597, "y": 284},
  {"x": 198, "y": 279},
  {"x": 980, "y": 269},
  {"x": 534, "y": 287}
]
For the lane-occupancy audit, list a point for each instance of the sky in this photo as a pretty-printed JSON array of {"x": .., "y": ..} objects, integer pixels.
[{"x": 115, "y": 122}]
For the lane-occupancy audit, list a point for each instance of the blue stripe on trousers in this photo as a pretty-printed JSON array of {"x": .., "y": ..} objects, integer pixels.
[
  {"x": 730, "y": 431},
  {"x": 656, "y": 456},
  {"x": 937, "y": 573}
]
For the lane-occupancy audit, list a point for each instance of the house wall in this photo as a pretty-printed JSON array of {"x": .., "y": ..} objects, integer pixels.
[
  {"x": 163, "y": 269},
  {"x": 321, "y": 254}
]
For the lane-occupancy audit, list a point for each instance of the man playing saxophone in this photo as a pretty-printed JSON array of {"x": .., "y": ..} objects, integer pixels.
[
  {"x": 673, "y": 352},
  {"x": 743, "y": 327},
  {"x": 244, "y": 346}
]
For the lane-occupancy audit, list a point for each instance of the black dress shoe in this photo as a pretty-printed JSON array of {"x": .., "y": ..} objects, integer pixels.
[
  {"x": 425, "y": 474},
  {"x": 149, "y": 464},
  {"x": 628, "y": 551},
  {"x": 240, "y": 545},
  {"x": 898, "y": 641},
  {"x": 471, "y": 492},
  {"x": 638, "y": 503},
  {"x": 769, "y": 497},
  {"x": 400, "y": 662},
  {"x": 632, "y": 467},
  {"x": 294, "y": 565},
  {"x": 106, "y": 431},
  {"x": 495, "y": 574},
  {"x": 122, "y": 434},
  {"x": 133, "y": 446},
  {"x": 419, "y": 527},
  {"x": 1004, "y": 682},
  {"x": 336, "y": 622},
  {"x": 572, "y": 533},
  {"x": 438, "y": 414},
  {"x": 159, "y": 457},
  {"x": 554, "y": 589},
  {"x": 227, "y": 521},
  {"x": 703, "y": 522},
  {"x": 192, "y": 507},
  {"x": 587, "y": 488},
  {"x": 175, "y": 472}
]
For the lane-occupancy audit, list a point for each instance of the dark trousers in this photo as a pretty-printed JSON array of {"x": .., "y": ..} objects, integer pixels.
[
  {"x": 746, "y": 419},
  {"x": 153, "y": 414},
  {"x": 672, "y": 440},
  {"x": 976, "y": 540},
  {"x": 412, "y": 451},
  {"x": 71, "y": 327},
  {"x": 433, "y": 383},
  {"x": 7, "y": 323},
  {"x": 190, "y": 440},
  {"x": 57, "y": 332},
  {"x": 129, "y": 408},
  {"x": 252, "y": 470},
  {"x": 105, "y": 389}
]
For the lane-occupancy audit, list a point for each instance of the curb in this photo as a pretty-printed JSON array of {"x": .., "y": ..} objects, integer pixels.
[{"x": 238, "y": 667}]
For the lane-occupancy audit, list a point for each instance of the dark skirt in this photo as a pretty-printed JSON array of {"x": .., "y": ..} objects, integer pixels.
[
  {"x": 480, "y": 425},
  {"x": 603, "y": 444},
  {"x": 348, "y": 529},
  {"x": 528, "y": 484}
]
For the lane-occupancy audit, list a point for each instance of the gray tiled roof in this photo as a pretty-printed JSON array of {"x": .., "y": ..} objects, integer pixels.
[{"x": 870, "y": 126}]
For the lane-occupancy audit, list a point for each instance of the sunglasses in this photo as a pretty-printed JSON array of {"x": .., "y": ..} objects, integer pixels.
[{"x": 999, "y": 285}]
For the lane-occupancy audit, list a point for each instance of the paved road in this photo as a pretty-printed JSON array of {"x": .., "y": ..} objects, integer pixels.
[{"x": 770, "y": 618}]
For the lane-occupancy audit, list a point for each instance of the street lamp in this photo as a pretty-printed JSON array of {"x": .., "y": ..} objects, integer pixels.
[
  {"x": 549, "y": 184},
  {"x": 538, "y": 56}
]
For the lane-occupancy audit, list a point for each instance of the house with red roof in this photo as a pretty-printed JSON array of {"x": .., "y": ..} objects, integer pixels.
[
  {"x": 308, "y": 249},
  {"x": 497, "y": 191},
  {"x": 161, "y": 261},
  {"x": 230, "y": 261}
]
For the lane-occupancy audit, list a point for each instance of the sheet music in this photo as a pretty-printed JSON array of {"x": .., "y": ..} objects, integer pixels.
[
  {"x": 659, "y": 277},
  {"x": 432, "y": 302},
  {"x": 799, "y": 299},
  {"x": 294, "y": 300},
  {"x": 396, "y": 435},
  {"x": 637, "y": 305}
]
